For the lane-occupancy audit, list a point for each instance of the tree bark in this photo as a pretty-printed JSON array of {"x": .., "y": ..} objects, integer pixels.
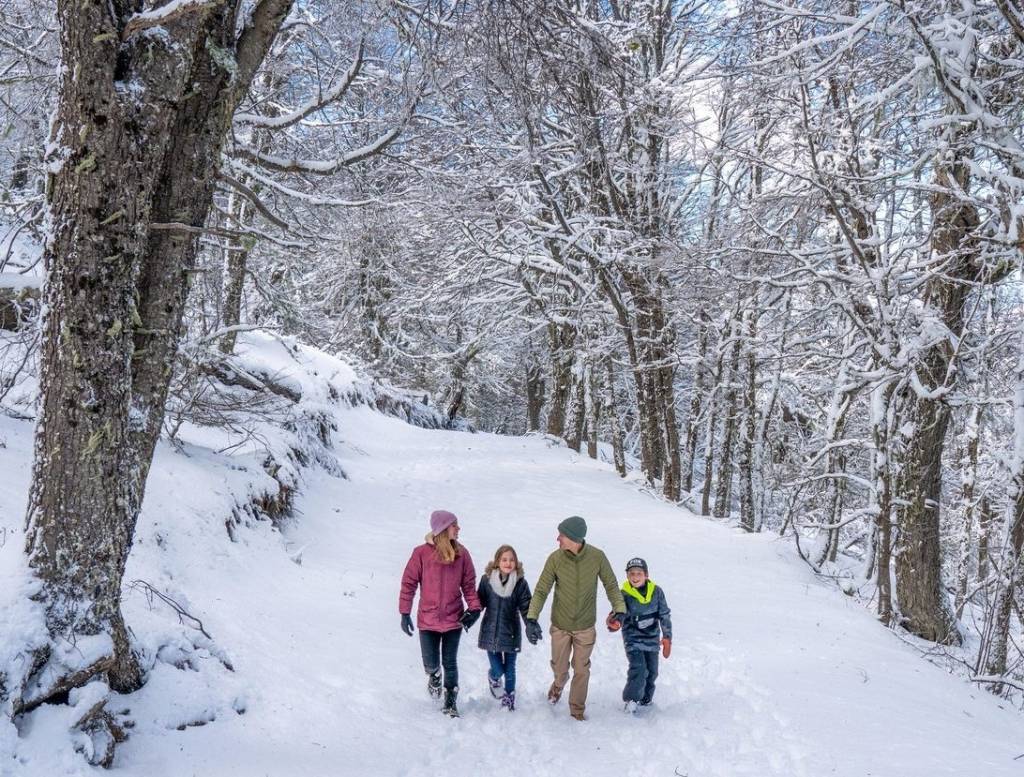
[
  {"x": 984, "y": 530},
  {"x": 999, "y": 630},
  {"x": 612, "y": 412},
  {"x": 577, "y": 415},
  {"x": 723, "y": 485},
  {"x": 709, "y": 432},
  {"x": 17, "y": 306},
  {"x": 970, "y": 477},
  {"x": 236, "y": 260},
  {"x": 593, "y": 410},
  {"x": 881, "y": 478},
  {"x": 534, "y": 394},
  {"x": 563, "y": 339},
  {"x": 748, "y": 520},
  {"x": 133, "y": 162},
  {"x": 691, "y": 433}
]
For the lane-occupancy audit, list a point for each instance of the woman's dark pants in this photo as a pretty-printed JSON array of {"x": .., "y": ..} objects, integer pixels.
[{"x": 440, "y": 650}]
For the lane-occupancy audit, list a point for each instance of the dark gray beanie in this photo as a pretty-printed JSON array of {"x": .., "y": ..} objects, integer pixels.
[{"x": 574, "y": 527}]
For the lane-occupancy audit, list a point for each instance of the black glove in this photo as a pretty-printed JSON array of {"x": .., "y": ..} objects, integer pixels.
[
  {"x": 534, "y": 632},
  {"x": 469, "y": 617},
  {"x": 407, "y": 624}
]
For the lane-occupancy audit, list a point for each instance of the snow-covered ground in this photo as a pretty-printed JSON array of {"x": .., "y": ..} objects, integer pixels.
[{"x": 773, "y": 672}]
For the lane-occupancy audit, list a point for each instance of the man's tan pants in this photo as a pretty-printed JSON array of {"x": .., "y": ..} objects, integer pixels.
[{"x": 574, "y": 646}]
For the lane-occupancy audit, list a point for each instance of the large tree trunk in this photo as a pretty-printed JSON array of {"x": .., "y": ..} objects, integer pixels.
[
  {"x": 954, "y": 242},
  {"x": 131, "y": 194},
  {"x": 920, "y": 591}
]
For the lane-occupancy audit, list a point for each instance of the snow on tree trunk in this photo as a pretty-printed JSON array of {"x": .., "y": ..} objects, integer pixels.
[
  {"x": 611, "y": 405},
  {"x": 748, "y": 520},
  {"x": 970, "y": 478},
  {"x": 139, "y": 128},
  {"x": 723, "y": 485},
  {"x": 693, "y": 417},
  {"x": 995, "y": 650},
  {"x": 534, "y": 393}
]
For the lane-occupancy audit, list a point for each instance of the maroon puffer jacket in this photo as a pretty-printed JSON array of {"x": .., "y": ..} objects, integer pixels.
[{"x": 442, "y": 587}]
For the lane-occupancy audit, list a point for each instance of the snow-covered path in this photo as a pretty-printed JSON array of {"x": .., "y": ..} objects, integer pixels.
[{"x": 772, "y": 671}]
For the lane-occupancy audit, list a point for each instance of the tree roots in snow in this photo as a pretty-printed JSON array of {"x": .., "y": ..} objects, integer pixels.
[{"x": 100, "y": 732}]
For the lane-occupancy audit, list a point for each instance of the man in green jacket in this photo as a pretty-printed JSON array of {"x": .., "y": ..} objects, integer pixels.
[{"x": 573, "y": 570}]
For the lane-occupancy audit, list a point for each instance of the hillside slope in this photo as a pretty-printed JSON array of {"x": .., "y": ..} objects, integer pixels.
[{"x": 773, "y": 672}]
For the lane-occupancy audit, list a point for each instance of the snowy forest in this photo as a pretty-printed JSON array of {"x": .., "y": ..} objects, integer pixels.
[{"x": 761, "y": 258}]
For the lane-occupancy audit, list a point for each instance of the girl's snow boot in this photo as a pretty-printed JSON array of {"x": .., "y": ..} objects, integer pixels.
[
  {"x": 508, "y": 701},
  {"x": 494, "y": 683}
]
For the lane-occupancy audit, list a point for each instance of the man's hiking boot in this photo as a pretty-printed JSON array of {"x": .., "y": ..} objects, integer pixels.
[
  {"x": 434, "y": 684},
  {"x": 449, "y": 708},
  {"x": 554, "y": 693},
  {"x": 578, "y": 715}
]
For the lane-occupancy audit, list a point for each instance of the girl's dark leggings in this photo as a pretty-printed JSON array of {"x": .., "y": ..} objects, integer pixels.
[{"x": 440, "y": 650}]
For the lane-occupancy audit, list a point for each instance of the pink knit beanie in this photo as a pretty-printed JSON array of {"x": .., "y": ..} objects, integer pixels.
[{"x": 441, "y": 520}]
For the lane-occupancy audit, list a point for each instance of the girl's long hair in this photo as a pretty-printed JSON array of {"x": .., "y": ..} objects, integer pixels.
[
  {"x": 493, "y": 563},
  {"x": 446, "y": 548}
]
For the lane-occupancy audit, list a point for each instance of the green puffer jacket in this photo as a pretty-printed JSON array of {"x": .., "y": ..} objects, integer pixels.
[{"x": 575, "y": 579}]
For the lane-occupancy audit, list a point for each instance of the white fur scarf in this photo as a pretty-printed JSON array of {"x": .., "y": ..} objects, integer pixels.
[{"x": 504, "y": 591}]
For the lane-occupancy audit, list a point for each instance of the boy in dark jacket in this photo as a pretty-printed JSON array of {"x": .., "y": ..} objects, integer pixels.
[
  {"x": 505, "y": 597},
  {"x": 648, "y": 628}
]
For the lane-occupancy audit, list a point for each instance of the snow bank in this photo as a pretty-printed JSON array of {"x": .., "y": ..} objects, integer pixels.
[{"x": 215, "y": 505}]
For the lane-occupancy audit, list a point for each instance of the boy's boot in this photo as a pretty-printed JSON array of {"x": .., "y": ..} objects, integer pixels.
[
  {"x": 450, "y": 695},
  {"x": 434, "y": 684},
  {"x": 630, "y": 707},
  {"x": 508, "y": 701}
]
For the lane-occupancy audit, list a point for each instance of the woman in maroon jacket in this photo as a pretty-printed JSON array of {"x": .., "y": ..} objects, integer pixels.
[{"x": 443, "y": 571}]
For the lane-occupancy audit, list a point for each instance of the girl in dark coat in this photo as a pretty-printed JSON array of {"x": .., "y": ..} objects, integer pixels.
[{"x": 505, "y": 596}]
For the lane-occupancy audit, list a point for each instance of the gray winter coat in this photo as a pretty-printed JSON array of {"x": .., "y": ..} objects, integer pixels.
[{"x": 646, "y": 621}]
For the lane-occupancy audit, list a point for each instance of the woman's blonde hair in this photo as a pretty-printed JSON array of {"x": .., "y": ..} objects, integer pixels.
[
  {"x": 493, "y": 563},
  {"x": 446, "y": 548}
]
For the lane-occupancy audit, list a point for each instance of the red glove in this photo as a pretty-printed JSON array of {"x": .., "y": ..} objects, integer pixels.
[
  {"x": 612, "y": 622},
  {"x": 666, "y": 647}
]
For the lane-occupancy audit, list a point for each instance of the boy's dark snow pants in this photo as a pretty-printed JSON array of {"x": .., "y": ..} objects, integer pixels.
[{"x": 643, "y": 671}]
